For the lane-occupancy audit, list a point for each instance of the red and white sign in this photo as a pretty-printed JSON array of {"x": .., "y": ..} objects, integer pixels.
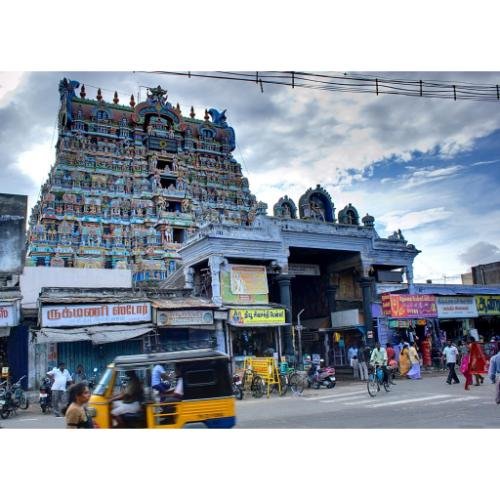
[
  {"x": 95, "y": 314},
  {"x": 9, "y": 315}
]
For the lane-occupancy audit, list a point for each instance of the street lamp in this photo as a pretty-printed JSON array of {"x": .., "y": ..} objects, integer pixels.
[{"x": 299, "y": 340}]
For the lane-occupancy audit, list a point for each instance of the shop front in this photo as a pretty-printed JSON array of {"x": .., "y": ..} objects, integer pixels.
[
  {"x": 9, "y": 321},
  {"x": 255, "y": 331},
  {"x": 186, "y": 323},
  {"x": 91, "y": 334}
]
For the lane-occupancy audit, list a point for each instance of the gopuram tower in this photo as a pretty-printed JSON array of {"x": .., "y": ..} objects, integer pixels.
[{"x": 131, "y": 183}]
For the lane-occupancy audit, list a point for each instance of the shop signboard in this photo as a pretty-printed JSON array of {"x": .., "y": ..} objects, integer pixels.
[
  {"x": 95, "y": 314},
  {"x": 256, "y": 317},
  {"x": 348, "y": 317},
  {"x": 409, "y": 306},
  {"x": 303, "y": 269},
  {"x": 9, "y": 315},
  {"x": 488, "y": 305},
  {"x": 184, "y": 317},
  {"x": 228, "y": 297},
  {"x": 456, "y": 307}
]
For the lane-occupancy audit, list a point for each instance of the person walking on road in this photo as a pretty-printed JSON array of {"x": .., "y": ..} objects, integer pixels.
[
  {"x": 414, "y": 372},
  {"x": 450, "y": 353},
  {"x": 404, "y": 361},
  {"x": 76, "y": 414},
  {"x": 477, "y": 362},
  {"x": 62, "y": 379},
  {"x": 494, "y": 375},
  {"x": 363, "y": 358}
]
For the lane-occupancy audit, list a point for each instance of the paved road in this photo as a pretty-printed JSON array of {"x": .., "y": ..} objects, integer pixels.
[{"x": 426, "y": 403}]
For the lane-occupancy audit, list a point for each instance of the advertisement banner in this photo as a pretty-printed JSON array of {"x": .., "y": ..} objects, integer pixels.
[
  {"x": 184, "y": 317},
  {"x": 488, "y": 305},
  {"x": 409, "y": 306},
  {"x": 256, "y": 317},
  {"x": 95, "y": 314},
  {"x": 456, "y": 307},
  {"x": 228, "y": 297},
  {"x": 9, "y": 315},
  {"x": 248, "y": 280}
]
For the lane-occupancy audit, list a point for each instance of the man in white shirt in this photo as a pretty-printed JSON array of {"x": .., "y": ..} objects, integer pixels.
[
  {"x": 61, "y": 377},
  {"x": 450, "y": 353}
]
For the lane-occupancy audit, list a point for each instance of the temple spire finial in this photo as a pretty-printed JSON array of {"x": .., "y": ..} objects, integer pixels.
[
  {"x": 82, "y": 92},
  {"x": 192, "y": 114},
  {"x": 132, "y": 101},
  {"x": 206, "y": 117},
  {"x": 99, "y": 95},
  {"x": 115, "y": 98}
]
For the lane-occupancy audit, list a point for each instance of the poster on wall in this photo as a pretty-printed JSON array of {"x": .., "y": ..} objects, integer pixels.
[
  {"x": 12, "y": 232},
  {"x": 248, "y": 280},
  {"x": 409, "y": 306},
  {"x": 456, "y": 307},
  {"x": 229, "y": 297}
]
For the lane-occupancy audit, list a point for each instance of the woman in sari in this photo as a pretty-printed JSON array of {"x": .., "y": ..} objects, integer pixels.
[
  {"x": 426, "y": 348},
  {"x": 477, "y": 362},
  {"x": 464, "y": 368},
  {"x": 404, "y": 361},
  {"x": 414, "y": 372}
]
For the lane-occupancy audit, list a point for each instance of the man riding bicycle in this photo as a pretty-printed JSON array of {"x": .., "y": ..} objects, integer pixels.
[{"x": 379, "y": 358}]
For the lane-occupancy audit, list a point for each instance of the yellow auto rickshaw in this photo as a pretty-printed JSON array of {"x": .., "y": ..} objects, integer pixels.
[{"x": 207, "y": 391}]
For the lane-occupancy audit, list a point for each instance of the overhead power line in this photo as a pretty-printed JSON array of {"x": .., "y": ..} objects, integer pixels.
[{"x": 357, "y": 83}]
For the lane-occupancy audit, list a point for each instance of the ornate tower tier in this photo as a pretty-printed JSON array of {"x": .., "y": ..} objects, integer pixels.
[{"x": 131, "y": 183}]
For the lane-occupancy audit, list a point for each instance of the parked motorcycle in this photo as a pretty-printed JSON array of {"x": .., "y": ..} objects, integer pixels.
[
  {"x": 45, "y": 398},
  {"x": 237, "y": 387},
  {"x": 12, "y": 398},
  {"x": 93, "y": 379},
  {"x": 321, "y": 377}
]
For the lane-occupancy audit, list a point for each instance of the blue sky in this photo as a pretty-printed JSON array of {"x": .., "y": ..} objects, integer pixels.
[{"x": 428, "y": 167}]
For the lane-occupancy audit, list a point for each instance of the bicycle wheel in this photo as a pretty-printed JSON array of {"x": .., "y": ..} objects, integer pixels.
[
  {"x": 296, "y": 383},
  {"x": 258, "y": 387},
  {"x": 4, "y": 413},
  {"x": 386, "y": 386},
  {"x": 23, "y": 401},
  {"x": 283, "y": 384},
  {"x": 372, "y": 387}
]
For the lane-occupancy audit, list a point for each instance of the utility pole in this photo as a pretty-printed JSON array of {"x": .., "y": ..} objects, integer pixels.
[{"x": 299, "y": 340}]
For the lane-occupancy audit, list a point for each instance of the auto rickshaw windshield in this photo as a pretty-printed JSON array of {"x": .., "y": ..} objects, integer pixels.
[{"x": 103, "y": 383}]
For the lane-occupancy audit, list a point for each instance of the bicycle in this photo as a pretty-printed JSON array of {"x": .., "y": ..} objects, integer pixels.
[
  {"x": 375, "y": 380},
  {"x": 253, "y": 383},
  {"x": 297, "y": 381}
]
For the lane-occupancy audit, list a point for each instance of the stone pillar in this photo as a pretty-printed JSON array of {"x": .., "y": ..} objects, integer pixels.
[
  {"x": 285, "y": 284},
  {"x": 219, "y": 335},
  {"x": 366, "y": 284},
  {"x": 215, "y": 262},
  {"x": 331, "y": 291},
  {"x": 409, "y": 278}
]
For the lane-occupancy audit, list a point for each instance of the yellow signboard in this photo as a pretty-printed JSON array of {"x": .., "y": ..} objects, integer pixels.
[
  {"x": 249, "y": 317},
  {"x": 488, "y": 305}
]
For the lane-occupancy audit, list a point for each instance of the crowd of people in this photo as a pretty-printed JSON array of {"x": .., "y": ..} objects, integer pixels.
[{"x": 407, "y": 359}]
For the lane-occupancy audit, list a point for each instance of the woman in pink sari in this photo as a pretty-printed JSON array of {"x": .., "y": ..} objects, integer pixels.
[{"x": 464, "y": 368}]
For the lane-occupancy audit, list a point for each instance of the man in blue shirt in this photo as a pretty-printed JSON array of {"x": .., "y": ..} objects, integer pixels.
[
  {"x": 494, "y": 374},
  {"x": 158, "y": 375}
]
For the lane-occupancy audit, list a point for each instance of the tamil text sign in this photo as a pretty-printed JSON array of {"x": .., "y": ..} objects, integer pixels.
[
  {"x": 456, "y": 307},
  {"x": 184, "y": 317},
  {"x": 95, "y": 314},
  {"x": 409, "y": 306},
  {"x": 488, "y": 305},
  {"x": 256, "y": 317},
  {"x": 9, "y": 315}
]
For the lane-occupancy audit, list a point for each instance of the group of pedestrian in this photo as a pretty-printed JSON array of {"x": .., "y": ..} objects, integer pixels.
[{"x": 70, "y": 395}]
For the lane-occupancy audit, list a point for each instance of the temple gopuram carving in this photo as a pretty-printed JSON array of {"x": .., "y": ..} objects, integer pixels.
[{"x": 131, "y": 183}]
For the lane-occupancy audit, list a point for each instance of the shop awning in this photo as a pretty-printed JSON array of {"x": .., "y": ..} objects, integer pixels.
[{"x": 96, "y": 334}]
